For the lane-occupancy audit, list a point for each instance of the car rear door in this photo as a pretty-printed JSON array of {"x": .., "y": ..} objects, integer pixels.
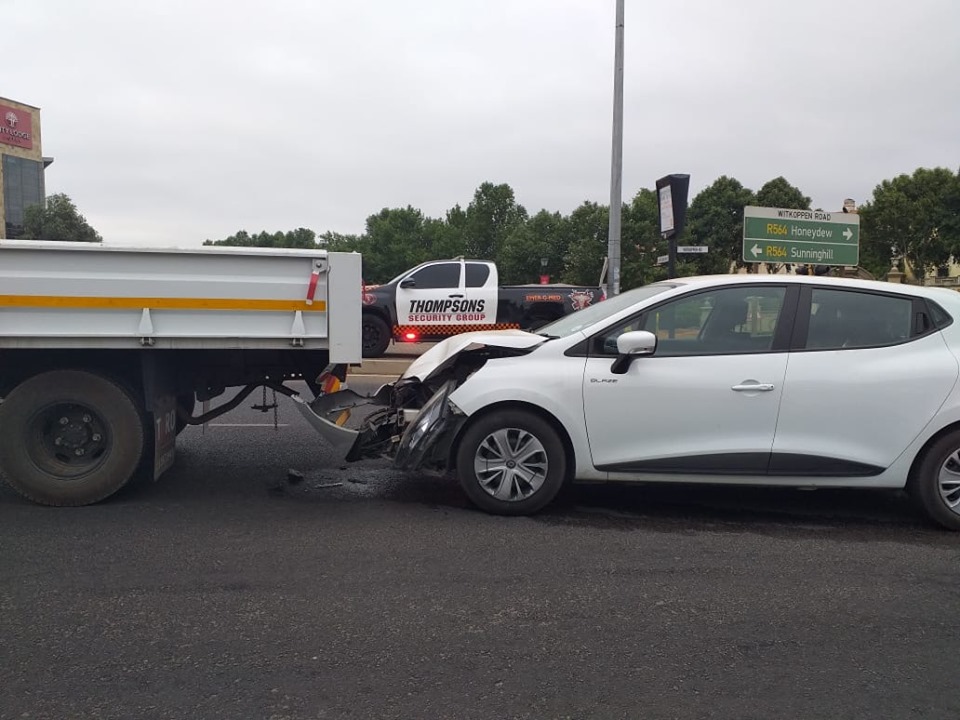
[
  {"x": 482, "y": 295},
  {"x": 868, "y": 371}
]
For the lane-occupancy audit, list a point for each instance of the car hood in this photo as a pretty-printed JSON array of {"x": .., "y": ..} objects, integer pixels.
[{"x": 443, "y": 354}]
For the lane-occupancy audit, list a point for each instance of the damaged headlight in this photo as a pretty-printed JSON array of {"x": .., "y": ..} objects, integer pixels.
[{"x": 422, "y": 432}]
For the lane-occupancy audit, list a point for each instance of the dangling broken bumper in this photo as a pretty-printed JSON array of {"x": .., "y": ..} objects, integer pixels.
[
  {"x": 412, "y": 438},
  {"x": 414, "y": 422}
]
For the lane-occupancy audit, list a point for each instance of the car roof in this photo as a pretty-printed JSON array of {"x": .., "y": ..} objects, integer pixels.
[{"x": 933, "y": 292}]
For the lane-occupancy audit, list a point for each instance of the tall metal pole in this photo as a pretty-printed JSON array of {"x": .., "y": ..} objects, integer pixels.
[{"x": 616, "y": 171}]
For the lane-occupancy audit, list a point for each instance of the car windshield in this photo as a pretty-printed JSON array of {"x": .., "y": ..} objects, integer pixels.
[{"x": 577, "y": 321}]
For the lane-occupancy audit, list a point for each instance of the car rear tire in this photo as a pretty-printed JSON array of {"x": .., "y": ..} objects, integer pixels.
[
  {"x": 511, "y": 462},
  {"x": 375, "y": 335},
  {"x": 69, "y": 437},
  {"x": 935, "y": 487}
]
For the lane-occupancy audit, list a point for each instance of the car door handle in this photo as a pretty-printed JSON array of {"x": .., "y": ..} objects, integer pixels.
[
  {"x": 753, "y": 387},
  {"x": 455, "y": 296}
]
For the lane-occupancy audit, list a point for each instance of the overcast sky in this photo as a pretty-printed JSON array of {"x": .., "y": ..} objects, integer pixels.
[{"x": 173, "y": 121}]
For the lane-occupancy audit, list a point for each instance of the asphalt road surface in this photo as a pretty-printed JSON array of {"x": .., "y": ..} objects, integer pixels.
[{"x": 226, "y": 591}]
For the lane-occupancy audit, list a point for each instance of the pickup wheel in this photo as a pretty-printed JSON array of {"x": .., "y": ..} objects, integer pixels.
[
  {"x": 69, "y": 437},
  {"x": 511, "y": 463},
  {"x": 375, "y": 335}
]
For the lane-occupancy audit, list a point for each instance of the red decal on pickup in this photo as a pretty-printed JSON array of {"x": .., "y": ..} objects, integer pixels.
[{"x": 580, "y": 299}]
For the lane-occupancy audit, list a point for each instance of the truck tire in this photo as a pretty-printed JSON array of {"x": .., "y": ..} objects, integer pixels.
[
  {"x": 69, "y": 437},
  {"x": 511, "y": 462},
  {"x": 375, "y": 335}
]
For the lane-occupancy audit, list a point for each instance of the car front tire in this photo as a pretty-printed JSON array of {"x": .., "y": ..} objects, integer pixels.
[{"x": 511, "y": 462}]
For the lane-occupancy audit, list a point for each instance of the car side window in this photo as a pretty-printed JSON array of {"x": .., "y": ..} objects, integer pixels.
[
  {"x": 477, "y": 274},
  {"x": 723, "y": 321},
  {"x": 849, "y": 319},
  {"x": 441, "y": 275}
]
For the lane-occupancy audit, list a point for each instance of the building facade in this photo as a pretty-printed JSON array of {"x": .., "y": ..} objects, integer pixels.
[{"x": 22, "y": 165}]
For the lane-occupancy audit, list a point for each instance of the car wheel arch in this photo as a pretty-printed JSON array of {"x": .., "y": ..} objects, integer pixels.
[
  {"x": 516, "y": 405},
  {"x": 922, "y": 452}
]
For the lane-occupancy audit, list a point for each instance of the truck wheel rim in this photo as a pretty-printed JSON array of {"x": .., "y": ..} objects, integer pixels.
[
  {"x": 949, "y": 481},
  {"x": 510, "y": 464},
  {"x": 67, "y": 439}
]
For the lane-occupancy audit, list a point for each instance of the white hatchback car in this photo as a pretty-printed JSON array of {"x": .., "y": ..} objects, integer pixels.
[{"x": 737, "y": 379}]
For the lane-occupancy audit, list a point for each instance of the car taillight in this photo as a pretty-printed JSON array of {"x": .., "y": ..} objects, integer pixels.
[{"x": 410, "y": 336}]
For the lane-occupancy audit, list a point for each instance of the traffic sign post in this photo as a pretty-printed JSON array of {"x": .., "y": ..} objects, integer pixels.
[{"x": 781, "y": 235}]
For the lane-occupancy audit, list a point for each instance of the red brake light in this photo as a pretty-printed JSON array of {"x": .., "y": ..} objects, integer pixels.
[{"x": 410, "y": 337}]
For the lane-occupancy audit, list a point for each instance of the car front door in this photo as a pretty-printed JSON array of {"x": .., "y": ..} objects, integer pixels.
[
  {"x": 869, "y": 371},
  {"x": 707, "y": 399}
]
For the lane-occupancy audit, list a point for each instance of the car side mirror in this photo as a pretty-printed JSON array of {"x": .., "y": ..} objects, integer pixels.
[
  {"x": 630, "y": 346},
  {"x": 408, "y": 283}
]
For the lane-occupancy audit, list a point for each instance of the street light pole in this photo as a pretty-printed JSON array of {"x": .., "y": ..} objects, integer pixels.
[{"x": 616, "y": 170}]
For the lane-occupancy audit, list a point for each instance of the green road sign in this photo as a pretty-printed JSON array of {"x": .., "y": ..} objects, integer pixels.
[{"x": 779, "y": 235}]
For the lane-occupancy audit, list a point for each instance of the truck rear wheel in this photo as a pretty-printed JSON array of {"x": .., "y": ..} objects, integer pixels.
[
  {"x": 375, "y": 335},
  {"x": 69, "y": 437}
]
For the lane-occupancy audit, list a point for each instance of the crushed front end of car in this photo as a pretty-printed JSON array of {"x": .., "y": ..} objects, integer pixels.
[{"x": 413, "y": 421}]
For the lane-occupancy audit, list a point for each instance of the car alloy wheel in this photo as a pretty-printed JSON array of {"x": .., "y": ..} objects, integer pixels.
[
  {"x": 511, "y": 464},
  {"x": 949, "y": 481}
]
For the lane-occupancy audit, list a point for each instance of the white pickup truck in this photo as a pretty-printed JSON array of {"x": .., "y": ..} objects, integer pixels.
[{"x": 105, "y": 350}]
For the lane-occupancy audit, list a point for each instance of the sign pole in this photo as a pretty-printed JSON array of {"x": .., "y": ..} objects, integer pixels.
[
  {"x": 672, "y": 262},
  {"x": 616, "y": 171}
]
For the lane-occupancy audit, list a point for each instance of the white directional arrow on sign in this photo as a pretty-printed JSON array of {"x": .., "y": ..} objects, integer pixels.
[
  {"x": 756, "y": 250},
  {"x": 848, "y": 234}
]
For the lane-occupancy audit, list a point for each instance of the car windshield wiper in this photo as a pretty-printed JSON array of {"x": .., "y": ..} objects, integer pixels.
[{"x": 548, "y": 336}]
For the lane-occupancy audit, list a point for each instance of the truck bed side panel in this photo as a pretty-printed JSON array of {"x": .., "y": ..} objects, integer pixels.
[{"x": 76, "y": 295}]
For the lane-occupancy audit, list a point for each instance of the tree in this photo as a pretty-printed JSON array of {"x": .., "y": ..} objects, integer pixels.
[
  {"x": 778, "y": 193},
  {"x": 588, "y": 228},
  {"x": 545, "y": 236},
  {"x": 452, "y": 241},
  {"x": 299, "y": 238},
  {"x": 397, "y": 239},
  {"x": 58, "y": 220},
  {"x": 340, "y": 242},
  {"x": 490, "y": 218},
  {"x": 715, "y": 219},
  {"x": 915, "y": 218},
  {"x": 640, "y": 242}
]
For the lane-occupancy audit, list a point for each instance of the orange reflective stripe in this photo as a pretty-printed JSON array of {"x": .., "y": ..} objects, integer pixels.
[{"x": 134, "y": 303}]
